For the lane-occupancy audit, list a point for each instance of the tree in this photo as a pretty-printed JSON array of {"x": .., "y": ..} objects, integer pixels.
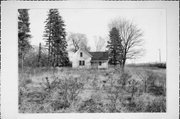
[
  {"x": 99, "y": 43},
  {"x": 55, "y": 37},
  {"x": 132, "y": 88},
  {"x": 37, "y": 56},
  {"x": 23, "y": 34},
  {"x": 77, "y": 40},
  {"x": 115, "y": 47},
  {"x": 131, "y": 37}
]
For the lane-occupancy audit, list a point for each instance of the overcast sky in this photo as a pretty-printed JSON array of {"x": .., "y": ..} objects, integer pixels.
[{"x": 94, "y": 22}]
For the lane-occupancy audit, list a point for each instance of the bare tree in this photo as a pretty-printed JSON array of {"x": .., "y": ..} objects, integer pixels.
[
  {"x": 99, "y": 43},
  {"x": 77, "y": 40},
  {"x": 131, "y": 37}
]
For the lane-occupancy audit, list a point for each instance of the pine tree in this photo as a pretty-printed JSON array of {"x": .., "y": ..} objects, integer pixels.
[
  {"x": 23, "y": 34},
  {"x": 132, "y": 39},
  {"x": 115, "y": 47},
  {"x": 55, "y": 37}
]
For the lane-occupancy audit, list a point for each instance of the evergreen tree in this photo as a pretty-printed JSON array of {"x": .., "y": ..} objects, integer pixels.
[
  {"x": 115, "y": 47},
  {"x": 23, "y": 34},
  {"x": 132, "y": 39},
  {"x": 55, "y": 37}
]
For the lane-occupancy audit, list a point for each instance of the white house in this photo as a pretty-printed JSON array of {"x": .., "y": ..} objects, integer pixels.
[{"x": 83, "y": 58}]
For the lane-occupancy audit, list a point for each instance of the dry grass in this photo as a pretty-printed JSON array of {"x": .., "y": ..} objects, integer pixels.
[{"x": 48, "y": 90}]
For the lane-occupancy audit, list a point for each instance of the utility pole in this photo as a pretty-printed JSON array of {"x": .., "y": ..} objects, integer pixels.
[{"x": 159, "y": 55}]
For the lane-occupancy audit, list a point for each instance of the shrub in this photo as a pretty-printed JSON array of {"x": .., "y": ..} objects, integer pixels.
[
  {"x": 91, "y": 106},
  {"x": 116, "y": 90},
  {"x": 124, "y": 77},
  {"x": 37, "y": 97},
  {"x": 156, "y": 90},
  {"x": 59, "y": 104},
  {"x": 66, "y": 91},
  {"x": 157, "y": 105},
  {"x": 147, "y": 103},
  {"x": 132, "y": 87},
  {"x": 152, "y": 86}
]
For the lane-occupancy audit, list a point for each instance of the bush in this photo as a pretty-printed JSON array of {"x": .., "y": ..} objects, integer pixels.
[
  {"x": 124, "y": 77},
  {"x": 147, "y": 103},
  {"x": 91, "y": 106},
  {"x": 37, "y": 97},
  {"x": 67, "y": 91},
  {"x": 116, "y": 89},
  {"x": 57, "y": 105},
  {"x": 153, "y": 87},
  {"x": 57, "y": 94},
  {"x": 156, "y": 90},
  {"x": 157, "y": 105}
]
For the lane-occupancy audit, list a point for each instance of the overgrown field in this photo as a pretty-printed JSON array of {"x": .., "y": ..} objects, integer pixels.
[{"x": 64, "y": 90}]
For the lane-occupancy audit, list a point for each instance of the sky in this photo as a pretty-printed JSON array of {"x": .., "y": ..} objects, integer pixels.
[{"x": 94, "y": 23}]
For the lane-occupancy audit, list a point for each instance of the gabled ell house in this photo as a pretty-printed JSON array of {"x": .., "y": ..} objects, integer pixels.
[{"x": 84, "y": 59}]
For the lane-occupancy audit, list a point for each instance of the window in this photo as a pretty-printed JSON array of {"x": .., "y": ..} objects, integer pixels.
[
  {"x": 81, "y": 54},
  {"x": 81, "y": 63},
  {"x": 100, "y": 63}
]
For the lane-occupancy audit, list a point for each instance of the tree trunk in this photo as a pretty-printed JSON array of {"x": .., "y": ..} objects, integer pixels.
[
  {"x": 54, "y": 58},
  {"x": 39, "y": 56},
  {"x": 22, "y": 63},
  {"x": 124, "y": 58},
  {"x": 145, "y": 86},
  {"x": 124, "y": 62},
  {"x": 132, "y": 93},
  {"x": 49, "y": 54}
]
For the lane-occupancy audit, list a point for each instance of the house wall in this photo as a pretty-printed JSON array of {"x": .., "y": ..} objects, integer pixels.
[
  {"x": 104, "y": 64},
  {"x": 76, "y": 58}
]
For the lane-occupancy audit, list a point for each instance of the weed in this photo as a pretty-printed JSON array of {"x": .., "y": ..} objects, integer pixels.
[{"x": 57, "y": 90}]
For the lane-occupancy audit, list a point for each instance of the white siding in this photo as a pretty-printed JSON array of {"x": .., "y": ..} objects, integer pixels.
[
  {"x": 86, "y": 57},
  {"x": 104, "y": 64},
  {"x": 76, "y": 58}
]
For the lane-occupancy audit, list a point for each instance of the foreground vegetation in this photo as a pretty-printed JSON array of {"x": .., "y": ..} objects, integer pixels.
[{"x": 57, "y": 90}]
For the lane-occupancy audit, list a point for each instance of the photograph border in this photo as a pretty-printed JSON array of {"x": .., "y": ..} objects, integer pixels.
[{"x": 9, "y": 76}]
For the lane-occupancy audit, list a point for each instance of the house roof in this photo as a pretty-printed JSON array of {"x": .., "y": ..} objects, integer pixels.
[
  {"x": 99, "y": 55},
  {"x": 86, "y": 51}
]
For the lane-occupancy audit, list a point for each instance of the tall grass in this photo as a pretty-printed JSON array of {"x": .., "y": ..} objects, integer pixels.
[{"x": 64, "y": 90}]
